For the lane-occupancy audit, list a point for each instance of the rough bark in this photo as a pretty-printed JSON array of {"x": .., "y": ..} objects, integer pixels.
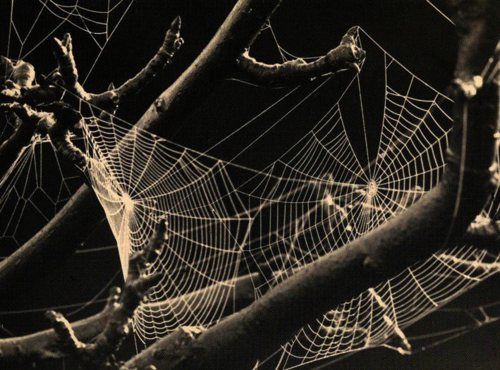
[
  {"x": 216, "y": 62},
  {"x": 44, "y": 345},
  {"x": 253, "y": 333},
  {"x": 112, "y": 97}
]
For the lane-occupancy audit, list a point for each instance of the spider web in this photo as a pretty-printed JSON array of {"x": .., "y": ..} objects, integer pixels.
[{"x": 348, "y": 175}]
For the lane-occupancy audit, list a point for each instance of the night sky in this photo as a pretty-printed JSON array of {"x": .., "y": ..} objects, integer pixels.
[{"x": 410, "y": 30}]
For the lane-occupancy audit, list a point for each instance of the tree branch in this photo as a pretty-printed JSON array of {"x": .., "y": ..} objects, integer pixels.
[
  {"x": 83, "y": 211},
  {"x": 215, "y": 63},
  {"x": 253, "y": 333},
  {"x": 345, "y": 56},
  {"x": 45, "y": 345},
  {"x": 102, "y": 349},
  {"x": 111, "y": 98},
  {"x": 65, "y": 121}
]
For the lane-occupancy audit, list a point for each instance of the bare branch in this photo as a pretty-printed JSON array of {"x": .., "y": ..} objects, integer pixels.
[
  {"x": 163, "y": 57},
  {"x": 65, "y": 120},
  {"x": 345, "y": 56},
  {"x": 215, "y": 63},
  {"x": 44, "y": 345},
  {"x": 66, "y": 336},
  {"x": 111, "y": 98},
  {"x": 63, "y": 52},
  {"x": 83, "y": 211}
]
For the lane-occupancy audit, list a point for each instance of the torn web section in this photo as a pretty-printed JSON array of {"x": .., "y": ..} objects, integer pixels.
[{"x": 140, "y": 179}]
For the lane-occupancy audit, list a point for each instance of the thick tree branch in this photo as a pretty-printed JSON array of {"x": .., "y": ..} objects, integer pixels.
[
  {"x": 46, "y": 345},
  {"x": 345, "y": 56},
  {"x": 253, "y": 333},
  {"x": 54, "y": 242},
  {"x": 102, "y": 349},
  {"x": 215, "y": 63},
  {"x": 83, "y": 211}
]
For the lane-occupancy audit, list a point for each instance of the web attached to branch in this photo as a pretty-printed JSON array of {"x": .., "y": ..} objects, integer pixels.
[{"x": 352, "y": 171}]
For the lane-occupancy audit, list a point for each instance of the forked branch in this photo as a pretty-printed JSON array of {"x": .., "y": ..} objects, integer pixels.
[{"x": 439, "y": 218}]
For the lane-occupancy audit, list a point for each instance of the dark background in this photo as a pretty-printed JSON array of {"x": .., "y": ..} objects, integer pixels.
[{"x": 412, "y": 31}]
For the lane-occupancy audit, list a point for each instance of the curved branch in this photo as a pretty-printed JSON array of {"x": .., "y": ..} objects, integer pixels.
[
  {"x": 345, "y": 56},
  {"x": 163, "y": 57},
  {"x": 215, "y": 63},
  {"x": 111, "y": 98}
]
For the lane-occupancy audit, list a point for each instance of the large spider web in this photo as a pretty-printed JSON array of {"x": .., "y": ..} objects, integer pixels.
[
  {"x": 326, "y": 190},
  {"x": 349, "y": 174}
]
